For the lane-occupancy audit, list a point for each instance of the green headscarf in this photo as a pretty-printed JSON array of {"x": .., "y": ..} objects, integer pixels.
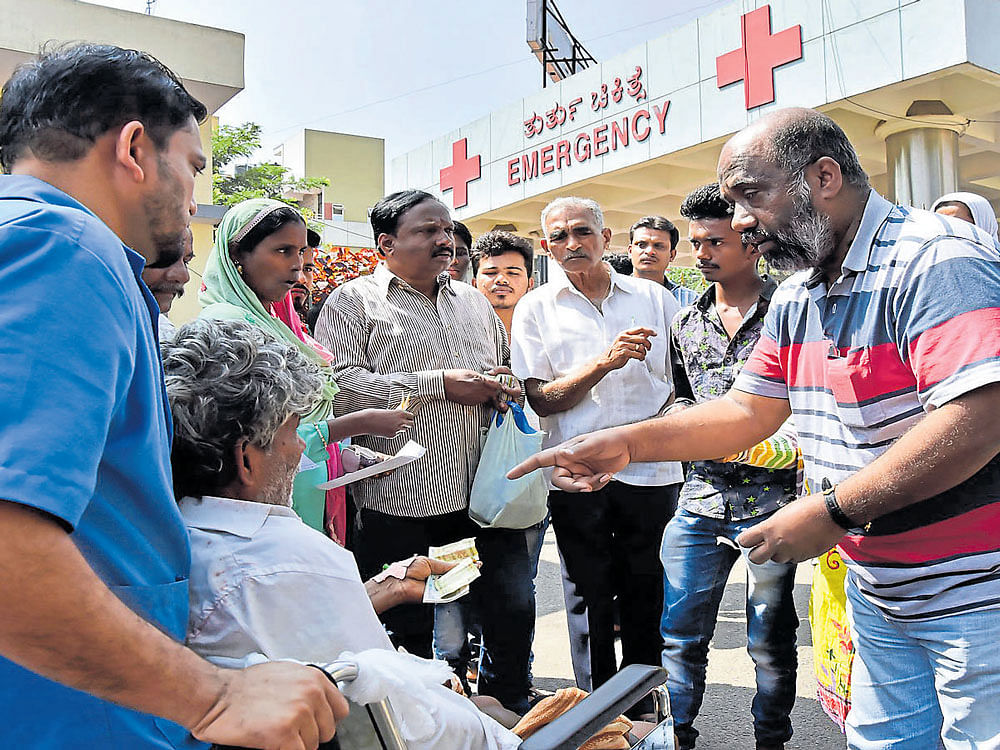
[{"x": 227, "y": 297}]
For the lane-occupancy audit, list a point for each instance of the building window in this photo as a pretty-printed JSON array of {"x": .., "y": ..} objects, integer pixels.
[{"x": 333, "y": 211}]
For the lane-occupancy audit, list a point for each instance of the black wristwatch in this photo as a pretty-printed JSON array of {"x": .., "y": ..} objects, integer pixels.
[{"x": 836, "y": 512}]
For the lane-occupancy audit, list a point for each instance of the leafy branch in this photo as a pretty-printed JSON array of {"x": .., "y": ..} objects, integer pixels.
[{"x": 235, "y": 178}]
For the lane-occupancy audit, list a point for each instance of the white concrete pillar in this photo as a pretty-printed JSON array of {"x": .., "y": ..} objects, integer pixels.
[
  {"x": 922, "y": 164},
  {"x": 921, "y": 159}
]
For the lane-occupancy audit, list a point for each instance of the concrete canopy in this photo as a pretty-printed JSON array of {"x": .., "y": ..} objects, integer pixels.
[{"x": 863, "y": 66}]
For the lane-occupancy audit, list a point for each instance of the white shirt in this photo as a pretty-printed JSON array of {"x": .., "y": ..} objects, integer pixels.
[
  {"x": 167, "y": 329},
  {"x": 262, "y": 582},
  {"x": 557, "y": 330}
]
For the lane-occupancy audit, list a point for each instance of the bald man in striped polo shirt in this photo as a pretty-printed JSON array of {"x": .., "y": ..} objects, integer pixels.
[{"x": 885, "y": 348}]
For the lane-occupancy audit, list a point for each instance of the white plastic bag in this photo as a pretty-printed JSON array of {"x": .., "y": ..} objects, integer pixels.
[
  {"x": 498, "y": 502},
  {"x": 429, "y": 715}
]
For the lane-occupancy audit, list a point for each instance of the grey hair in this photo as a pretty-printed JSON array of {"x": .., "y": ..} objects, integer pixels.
[
  {"x": 569, "y": 201},
  {"x": 229, "y": 381}
]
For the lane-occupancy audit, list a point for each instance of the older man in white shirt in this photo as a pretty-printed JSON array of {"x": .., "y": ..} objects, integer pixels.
[
  {"x": 263, "y": 583},
  {"x": 593, "y": 348}
]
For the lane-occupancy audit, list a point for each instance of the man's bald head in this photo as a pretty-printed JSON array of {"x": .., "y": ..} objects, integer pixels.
[
  {"x": 796, "y": 185},
  {"x": 793, "y": 139}
]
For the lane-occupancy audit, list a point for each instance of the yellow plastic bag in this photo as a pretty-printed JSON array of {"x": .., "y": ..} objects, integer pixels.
[{"x": 833, "y": 651}]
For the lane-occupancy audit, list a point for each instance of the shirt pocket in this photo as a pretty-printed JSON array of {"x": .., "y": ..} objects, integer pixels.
[
  {"x": 166, "y": 606},
  {"x": 570, "y": 348},
  {"x": 855, "y": 388}
]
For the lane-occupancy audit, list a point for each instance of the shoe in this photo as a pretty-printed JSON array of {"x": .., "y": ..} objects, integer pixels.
[{"x": 685, "y": 736}]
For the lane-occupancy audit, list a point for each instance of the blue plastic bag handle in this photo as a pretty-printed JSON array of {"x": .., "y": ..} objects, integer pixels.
[{"x": 520, "y": 419}]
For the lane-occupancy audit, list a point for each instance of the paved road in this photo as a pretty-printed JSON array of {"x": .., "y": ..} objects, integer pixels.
[{"x": 724, "y": 720}]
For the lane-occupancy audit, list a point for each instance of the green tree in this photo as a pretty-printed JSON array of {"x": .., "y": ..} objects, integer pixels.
[{"x": 232, "y": 146}]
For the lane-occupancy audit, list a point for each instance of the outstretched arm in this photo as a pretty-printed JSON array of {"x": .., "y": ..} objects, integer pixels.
[
  {"x": 726, "y": 425},
  {"x": 390, "y": 591},
  {"x": 942, "y": 450},
  {"x": 387, "y": 423}
]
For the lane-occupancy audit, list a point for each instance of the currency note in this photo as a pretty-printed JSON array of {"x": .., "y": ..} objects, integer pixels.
[
  {"x": 461, "y": 575},
  {"x": 460, "y": 550},
  {"x": 449, "y": 586},
  {"x": 433, "y": 596},
  {"x": 509, "y": 381}
]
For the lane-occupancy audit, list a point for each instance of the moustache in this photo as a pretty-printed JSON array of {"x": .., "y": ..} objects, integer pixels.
[
  {"x": 757, "y": 236},
  {"x": 176, "y": 291},
  {"x": 299, "y": 288}
]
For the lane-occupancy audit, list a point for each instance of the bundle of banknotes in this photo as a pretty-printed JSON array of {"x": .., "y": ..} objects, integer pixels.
[{"x": 454, "y": 584}]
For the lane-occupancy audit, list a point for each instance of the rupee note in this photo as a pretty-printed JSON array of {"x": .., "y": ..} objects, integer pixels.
[
  {"x": 451, "y": 585},
  {"x": 460, "y": 550}
]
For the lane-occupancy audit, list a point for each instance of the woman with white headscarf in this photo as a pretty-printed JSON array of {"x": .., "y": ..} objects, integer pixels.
[{"x": 969, "y": 207}]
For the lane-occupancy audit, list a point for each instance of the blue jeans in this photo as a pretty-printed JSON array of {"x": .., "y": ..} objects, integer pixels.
[
  {"x": 696, "y": 567},
  {"x": 453, "y": 623},
  {"x": 923, "y": 685}
]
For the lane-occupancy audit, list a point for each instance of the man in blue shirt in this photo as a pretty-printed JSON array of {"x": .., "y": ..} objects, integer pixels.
[{"x": 101, "y": 146}]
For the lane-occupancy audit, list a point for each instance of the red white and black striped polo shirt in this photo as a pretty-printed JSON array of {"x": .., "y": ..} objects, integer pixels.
[{"x": 912, "y": 323}]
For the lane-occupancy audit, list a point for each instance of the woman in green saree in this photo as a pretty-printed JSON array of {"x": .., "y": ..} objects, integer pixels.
[{"x": 255, "y": 261}]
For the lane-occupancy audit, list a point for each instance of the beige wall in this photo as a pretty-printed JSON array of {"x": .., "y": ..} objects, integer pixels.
[
  {"x": 355, "y": 166},
  {"x": 209, "y": 60},
  {"x": 186, "y": 307}
]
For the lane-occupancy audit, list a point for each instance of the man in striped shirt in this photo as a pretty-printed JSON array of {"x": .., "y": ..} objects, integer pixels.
[
  {"x": 409, "y": 331},
  {"x": 887, "y": 353}
]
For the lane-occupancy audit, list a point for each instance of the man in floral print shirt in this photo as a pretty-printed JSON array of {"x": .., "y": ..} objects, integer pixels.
[{"x": 712, "y": 339}]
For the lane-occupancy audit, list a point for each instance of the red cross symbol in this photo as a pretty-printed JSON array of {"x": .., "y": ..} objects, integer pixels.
[
  {"x": 761, "y": 53},
  {"x": 462, "y": 171}
]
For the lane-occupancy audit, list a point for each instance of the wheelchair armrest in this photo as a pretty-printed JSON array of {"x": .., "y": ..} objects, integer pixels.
[{"x": 577, "y": 725}]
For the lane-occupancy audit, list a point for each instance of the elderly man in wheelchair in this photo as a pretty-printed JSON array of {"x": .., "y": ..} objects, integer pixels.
[{"x": 265, "y": 586}]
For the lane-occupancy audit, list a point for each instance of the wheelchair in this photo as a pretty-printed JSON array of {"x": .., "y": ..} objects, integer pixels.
[{"x": 373, "y": 726}]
